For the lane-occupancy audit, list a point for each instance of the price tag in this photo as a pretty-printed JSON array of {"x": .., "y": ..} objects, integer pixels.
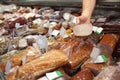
[
  {"x": 55, "y": 32},
  {"x": 95, "y": 28},
  {"x": 54, "y": 75},
  {"x": 52, "y": 24},
  {"x": 99, "y": 30},
  {"x": 49, "y": 31},
  {"x": 95, "y": 53},
  {"x": 66, "y": 36},
  {"x": 62, "y": 31},
  {"x": 66, "y": 16},
  {"x": 37, "y": 21},
  {"x": 17, "y": 25},
  {"x": 74, "y": 20},
  {"x": 101, "y": 59}
]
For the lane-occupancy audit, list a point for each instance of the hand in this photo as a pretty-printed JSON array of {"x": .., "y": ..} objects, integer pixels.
[{"x": 83, "y": 19}]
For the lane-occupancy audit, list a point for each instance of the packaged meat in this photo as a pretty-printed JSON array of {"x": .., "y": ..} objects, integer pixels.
[
  {"x": 16, "y": 60},
  {"x": 107, "y": 45},
  {"x": 94, "y": 38},
  {"x": 95, "y": 68},
  {"x": 47, "y": 62},
  {"x": 8, "y": 55},
  {"x": 12, "y": 74},
  {"x": 84, "y": 74},
  {"x": 110, "y": 40},
  {"x": 71, "y": 46},
  {"x": 109, "y": 73},
  {"x": 80, "y": 55}
]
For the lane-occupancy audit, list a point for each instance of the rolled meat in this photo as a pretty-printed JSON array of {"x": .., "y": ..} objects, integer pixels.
[
  {"x": 84, "y": 74},
  {"x": 16, "y": 60}
]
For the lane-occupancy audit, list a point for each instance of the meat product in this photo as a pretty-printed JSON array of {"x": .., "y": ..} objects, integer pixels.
[
  {"x": 16, "y": 60},
  {"x": 80, "y": 55},
  {"x": 109, "y": 73},
  {"x": 47, "y": 62},
  {"x": 84, "y": 74}
]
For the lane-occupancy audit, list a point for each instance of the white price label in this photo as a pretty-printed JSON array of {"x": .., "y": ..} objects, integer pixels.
[
  {"x": 95, "y": 28},
  {"x": 74, "y": 20},
  {"x": 17, "y": 25},
  {"x": 100, "y": 59},
  {"x": 99, "y": 30},
  {"x": 62, "y": 31},
  {"x": 95, "y": 53},
  {"x": 55, "y": 32},
  {"x": 54, "y": 75},
  {"x": 66, "y": 16}
]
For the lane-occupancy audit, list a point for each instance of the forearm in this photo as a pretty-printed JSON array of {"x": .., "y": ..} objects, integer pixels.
[{"x": 88, "y": 6}]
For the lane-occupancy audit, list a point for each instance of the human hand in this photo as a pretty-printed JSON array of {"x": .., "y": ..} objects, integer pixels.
[{"x": 83, "y": 19}]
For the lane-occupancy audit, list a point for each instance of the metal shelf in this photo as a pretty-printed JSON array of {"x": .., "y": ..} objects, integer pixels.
[{"x": 71, "y": 3}]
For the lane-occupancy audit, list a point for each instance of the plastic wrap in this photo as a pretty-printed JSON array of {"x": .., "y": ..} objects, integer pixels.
[
  {"x": 71, "y": 46},
  {"x": 7, "y": 55},
  {"x": 80, "y": 55},
  {"x": 12, "y": 74},
  {"x": 84, "y": 74},
  {"x": 109, "y": 73},
  {"x": 107, "y": 45},
  {"x": 47, "y": 62},
  {"x": 16, "y": 60},
  {"x": 95, "y": 68}
]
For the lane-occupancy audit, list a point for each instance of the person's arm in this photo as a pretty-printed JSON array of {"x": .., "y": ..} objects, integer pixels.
[{"x": 87, "y": 9}]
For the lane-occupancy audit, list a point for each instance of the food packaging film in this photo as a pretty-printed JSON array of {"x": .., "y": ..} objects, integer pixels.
[
  {"x": 47, "y": 62},
  {"x": 84, "y": 74},
  {"x": 109, "y": 73},
  {"x": 16, "y": 60},
  {"x": 108, "y": 43},
  {"x": 71, "y": 46},
  {"x": 80, "y": 55}
]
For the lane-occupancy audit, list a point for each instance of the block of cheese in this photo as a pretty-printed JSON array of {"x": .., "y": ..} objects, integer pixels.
[
  {"x": 47, "y": 62},
  {"x": 16, "y": 60},
  {"x": 84, "y": 74}
]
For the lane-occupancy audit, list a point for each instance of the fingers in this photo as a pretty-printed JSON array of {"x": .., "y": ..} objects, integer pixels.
[
  {"x": 82, "y": 19},
  {"x": 78, "y": 20}
]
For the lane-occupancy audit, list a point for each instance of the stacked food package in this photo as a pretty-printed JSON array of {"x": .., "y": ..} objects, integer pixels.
[{"x": 39, "y": 44}]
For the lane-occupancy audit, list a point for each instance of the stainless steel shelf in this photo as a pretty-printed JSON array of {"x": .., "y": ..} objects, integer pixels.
[{"x": 71, "y": 3}]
